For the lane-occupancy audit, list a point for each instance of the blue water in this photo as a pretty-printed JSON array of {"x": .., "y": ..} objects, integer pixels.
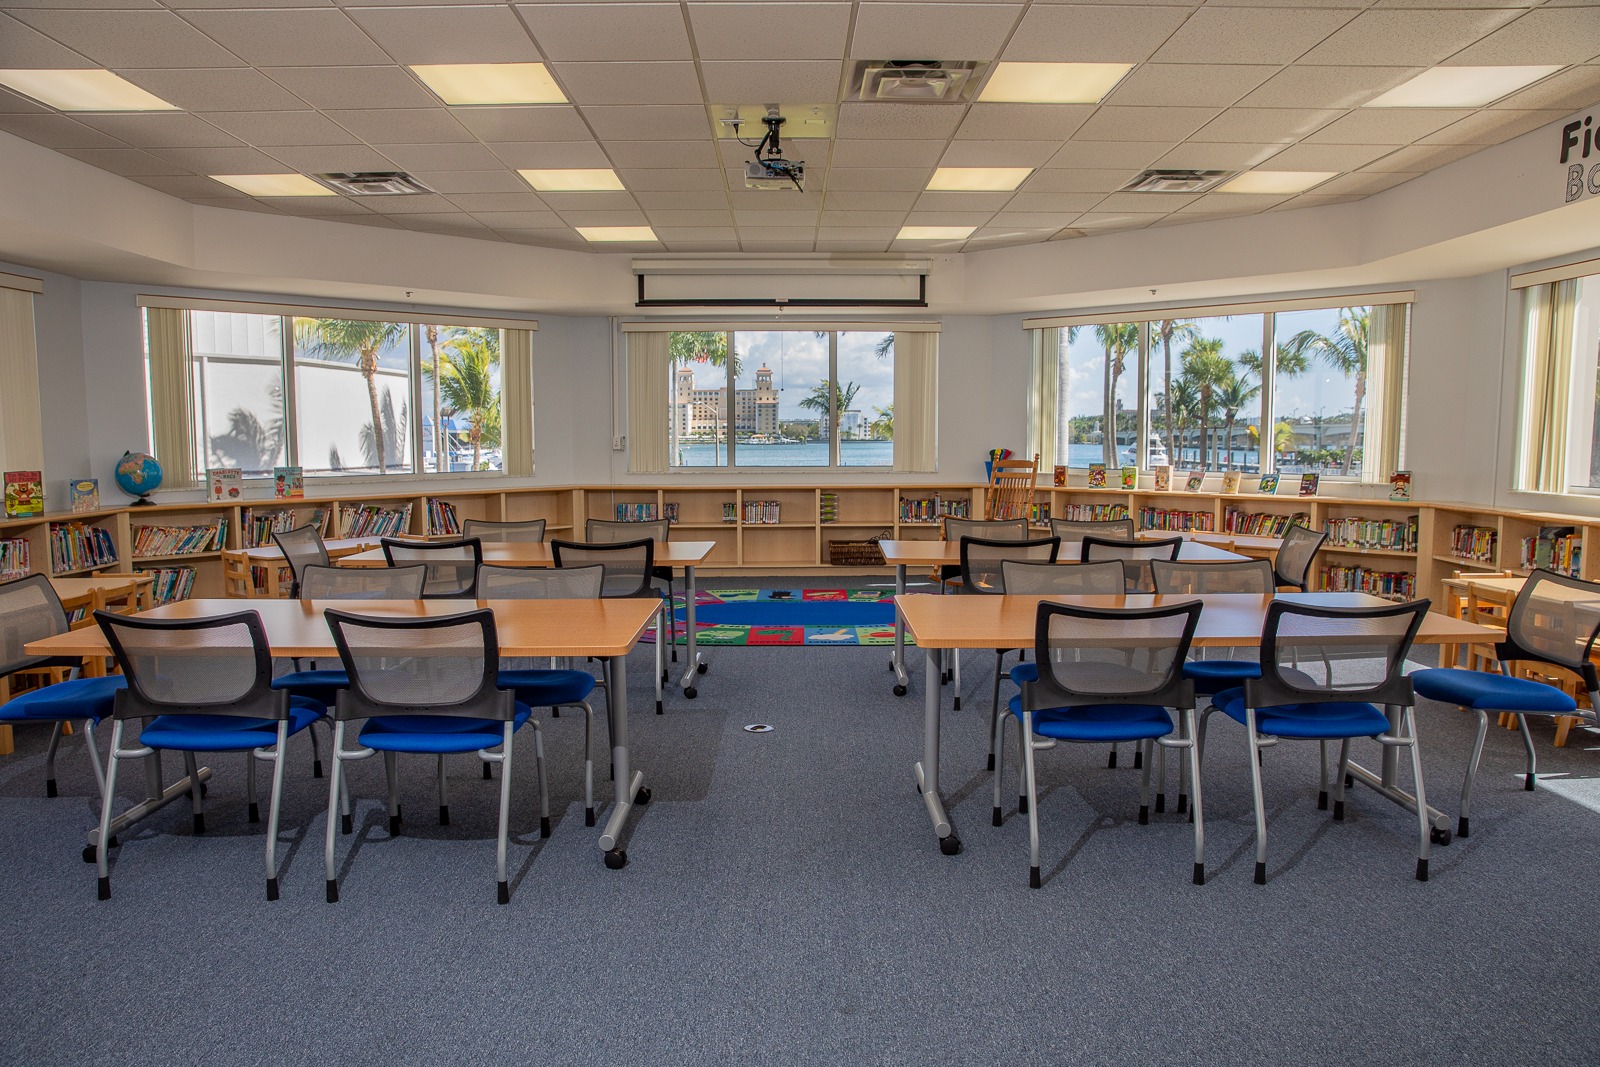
[{"x": 809, "y": 454}]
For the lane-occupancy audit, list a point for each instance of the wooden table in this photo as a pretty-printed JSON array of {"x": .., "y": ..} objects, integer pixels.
[
  {"x": 97, "y": 590},
  {"x": 297, "y": 628},
  {"x": 685, "y": 555},
  {"x": 1228, "y": 620},
  {"x": 237, "y": 564},
  {"x": 905, "y": 554}
]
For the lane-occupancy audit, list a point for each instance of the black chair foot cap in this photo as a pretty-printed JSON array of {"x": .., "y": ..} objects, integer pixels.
[
  {"x": 544, "y": 826},
  {"x": 658, "y": 708},
  {"x": 333, "y": 891},
  {"x": 1183, "y": 803},
  {"x": 1033, "y": 878},
  {"x": 958, "y": 704},
  {"x": 1422, "y": 870},
  {"x": 1199, "y": 874},
  {"x": 1461, "y": 826},
  {"x": 272, "y": 889},
  {"x": 555, "y": 713},
  {"x": 1022, "y": 805},
  {"x": 1322, "y": 800},
  {"x": 316, "y": 769},
  {"x": 50, "y": 787},
  {"x": 105, "y": 888},
  {"x": 1111, "y": 762},
  {"x": 1144, "y": 815},
  {"x": 254, "y": 813},
  {"x": 199, "y": 824},
  {"x": 991, "y": 761},
  {"x": 995, "y": 820},
  {"x": 1138, "y": 760},
  {"x": 1161, "y": 803},
  {"x": 1338, "y": 811},
  {"x": 394, "y": 826},
  {"x": 444, "y": 815},
  {"x": 488, "y": 773},
  {"x": 588, "y": 816},
  {"x": 1527, "y": 782},
  {"x": 1261, "y": 874},
  {"x": 503, "y": 893},
  {"x": 347, "y": 824}
]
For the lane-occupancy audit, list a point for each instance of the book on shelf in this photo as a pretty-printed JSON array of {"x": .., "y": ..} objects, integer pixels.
[
  {"x": 1097, "y": 476},
  {"x": 170, "y": 583},
  {"x": 178, "y": 540},
  {"x": 1396, "y": 585},
  {"x": 828, "y": 508},
  {"x": 14, "y": 558},
  {"x": 1230, "y": 481},
  {"x": 442, "y": 520},
  {"x": 1094, "y": 512},
  {"x": 1393, "y": 535},
  {"x": 288, "y": 483},
  {"x": 933, "y": 509},
  {"x": 1039, "y": 515},
  {"x": 258, "y": 526},
  {"x": 1555, "y": 548},
  {"x": 78, "y": 546},
  {"x": 1153, "y": 518},
  {"x": 1130, "y": 476},
  {"x": 635, "y": 512},
  {"x": 669, "y": 511},
  {"x": 730, "y": 512},
  {"x": 1476, "y": 543},
  {"x": 1196, "y": 479},
  {"x": 373, "y": 520},
  {"x": 1260, "y": 524},
  {"x": 1400, "y": 485},
  {"x": 1163, "y": 477},
  {"x": 85, "y": 495},
  {"x": 1268, "y": 485},
  {"x": 224, "y": 484},
  {"x": 1308, "y": 485},
  {"x": 1060, "y": 474},
  {"x": 24, "y": 494}
]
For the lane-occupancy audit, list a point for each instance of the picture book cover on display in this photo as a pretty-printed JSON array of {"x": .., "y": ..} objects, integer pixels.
[
  {"x": 85, "y": 494},
  {"x": 1197, "y": 478},
  {"x": 1097, "y": 476},
  {"x": 1230, "y": 481},
  {"x": 1130, "y": 477},
  {"x": 1060, "y": 475},
  {"x": 288, "y": 483},
  {"x": 1268, "y": 485},
  {"x": 1400, "y": 485},
  {"x": 24, "y": 494},
  {"x": 225, "y": 483},
  {"x": 1163, "y": 477},
  {"x": 1308, "y": 485}
]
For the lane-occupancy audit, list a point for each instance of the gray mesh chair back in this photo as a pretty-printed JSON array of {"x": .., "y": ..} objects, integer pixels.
[
  {"x": 212, "y": 666},
  {"x": 1049, "y": 579},
  {"x": 988, "y": 529},
  {"x": 1086, "y": 656},
  {"x": 302, "y": 547},
  {"x": 605, "y": 531},
  {"x": 452, "y": 565},
  {"x": 527, "y": 531},
  {"x": 1135, "y": 557},
  {"x": 547, "y": 583},
  {"x": 29, "y": 610},
  {"x": 1555, "y": 619},
  {"x": 445, "y": 665},
  {"x": 981, "y": 560},
  {"x": 1293, "y": 563},
  {"x": 1234, "y": 576},
  {"x": 1315, "y": 654},
  {"x": 1073, "y": 531},
  {"x": 363, "y": 583},
  {"x": 627, "y": 563}
]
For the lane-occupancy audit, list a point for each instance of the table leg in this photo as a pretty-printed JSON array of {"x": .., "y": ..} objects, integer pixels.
[
  {"x": 927, "y": 769},
  {"x": 695, "y": 666},
  {"x": 898, "y": 663},
  {"x": 1385, "y": 783},
  {"x": 632, "y": 782}
]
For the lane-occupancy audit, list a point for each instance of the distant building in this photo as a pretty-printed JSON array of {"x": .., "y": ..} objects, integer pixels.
[
  {"x": 698, "y": 412},
  {"x": 851, "y": 424}
]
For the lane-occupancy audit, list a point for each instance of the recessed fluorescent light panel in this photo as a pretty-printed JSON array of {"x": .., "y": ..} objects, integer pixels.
[
  {"x": 1276, "y": 181},
  {"x": 274, "y": 184},
  {"x": 1051, "y": 83},
  {"x": 600, "y": 234},
  {"x": 572, "y": 181},
  {"x": 83, "y": 90},
  {"x": 1460, "y": 86},
  {"x": 934, "y": 233},
  {"x": 978, "y": 179},
  {"x": 491, "y": 83}
]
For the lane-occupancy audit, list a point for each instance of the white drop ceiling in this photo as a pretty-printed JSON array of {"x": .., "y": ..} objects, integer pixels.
[{"x": 268, "y": 86}]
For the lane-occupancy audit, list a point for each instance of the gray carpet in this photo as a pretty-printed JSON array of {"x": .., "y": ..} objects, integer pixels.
[{"x": 785, "y": 902}]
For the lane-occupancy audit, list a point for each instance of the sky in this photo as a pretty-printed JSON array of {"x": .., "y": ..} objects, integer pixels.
[{"x": 799, "y": 361}]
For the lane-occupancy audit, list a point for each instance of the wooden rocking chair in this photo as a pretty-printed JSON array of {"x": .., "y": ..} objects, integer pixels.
[{"x": 1011, "y": 488}]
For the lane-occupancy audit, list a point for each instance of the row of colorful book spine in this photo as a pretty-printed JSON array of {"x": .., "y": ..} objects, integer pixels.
[
  {"x": 170, "y": 583},
  {"x": 1395, "y": 535},
  {"x": 933, "y": 508},
  {"x": 13, "y": 558},
  {"x": 1557, "y": 552},
  {"x": 762, "y": 512},
  {"x": 75, "y": 546},
  {"x": 1260, "y": 524},
  {"x": 1474, "y": 542},
  {"x": 1393, "y": 584},
  {"x": 1170, "y": 519},
  {"x": 635, "y": 512},
  {"x": 178, "y": 540},
  {"x": 257, "y": 527},
  {"x": 442, "y": 518},
  {"x": 1094, "y": 512},
  {"x": 371, "y": 520}
]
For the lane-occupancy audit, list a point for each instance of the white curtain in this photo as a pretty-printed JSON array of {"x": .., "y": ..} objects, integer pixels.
[
  {"x": 21, "y": 427},
  {"x": 916, "y": 401},
  {"x": 1044, "y": 394},
  {"x": 1384, "y": 417},
  {"x": 516, "y": 393},
  {"x": 172, "y": 396},
  {"x": 1549, "y": 331},
  {"x": 649, "y": 359}
]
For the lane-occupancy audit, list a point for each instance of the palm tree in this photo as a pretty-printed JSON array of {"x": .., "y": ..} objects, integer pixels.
[
  {"x": 1170, "y": 331},
  {"x": 706, "y": 347},
  {"x": 466, "y": 382},
  {"x": 883, "y": 426},
  {"x": 1234, "y": 394},
  {"x": 349, "y": 339},
  {"x": 1206, "y": 369},
  {"x": 818, "y": 399},
  {"x": 1118, "y": 339},
  {"x": 1345, "y": 352}
]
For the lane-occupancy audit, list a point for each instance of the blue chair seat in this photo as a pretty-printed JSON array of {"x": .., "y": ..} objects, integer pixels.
[
  {"x": 437, "y": 733},
  {"x": 75, "y": 698},
  {"x": 1307, "y": 721},
  {"x": 1215, "y": 675},
  {"x": 1482, "y": 691},
  {"x": 225, "y": 733},
  {"x": 1025, "y": 672},
  {"x": 545, "y": 688},
  {"x": 1099, "y": 722},
  {"x": 318, "y": 685}
]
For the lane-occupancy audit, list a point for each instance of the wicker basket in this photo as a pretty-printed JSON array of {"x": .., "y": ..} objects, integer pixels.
[{"x": 856, "y": 553}]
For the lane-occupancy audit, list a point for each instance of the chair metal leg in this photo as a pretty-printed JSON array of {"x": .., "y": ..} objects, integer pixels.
[
  {"x": 994, "y": 708},
  {"x": 1462, "y": 824},
  {"x": 1024, "y": 746},
  {"x": 273, "y": 805},
  {"x": 503, "y": 888},
  {"x": 588, "y": 763},
  {"x": 1032, "y": 786},
  {"x": 103, "y": 848},
  {"x": 50, "y": 759},
  {"x": 661, "y": 666},
  {"x": 394, "y": 793},
  {"x": 316, "y": 751},
  {"x": 1338, "y": 785},
  {"x": 1260, "y": 800},
  {"x": 1144, "y": 782},
  {"x": 444, "y": 795},
  {"x": 544, "y": 788},
  {"x": 997, "y": 766},
  {"x": 1533, "y": 758},
  {"x": 1111, "y": 761},
  {"x": 1193, "y": 762},
  {"x": 336, "y": 791},
  {"x": 1161, "y": 777},
  {"x": 1408, "y": 719},
  {"x": 1186, "y": 727},
  {"x": 197, "y": 801},
  {"x": 250, "y": 786},
  {"x": 1322, "y": 775},
  {"x": 672, "y": 617},
  {"x": 94, "y": 755}
]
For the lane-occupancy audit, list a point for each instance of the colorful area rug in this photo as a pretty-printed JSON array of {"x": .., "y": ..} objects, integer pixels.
[{"x": 769, "y": 617}]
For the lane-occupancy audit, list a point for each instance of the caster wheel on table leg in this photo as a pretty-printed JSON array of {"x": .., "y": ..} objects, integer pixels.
[
  {"x": 642, "y": 797},
  {"x": 90, "y": 855},
  {"x": 899, "y": 690},
  {"x": 616, "y": 859},
  {"x": 1439, "y": 837},
  {"x": 702, "y": 668},
  {"x": 950, "y": 845},
  {"x": 691, "y": 692}
]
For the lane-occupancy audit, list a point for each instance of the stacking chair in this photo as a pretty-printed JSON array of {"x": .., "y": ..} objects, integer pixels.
[
  {"x": 1072, "y": 531},
  {"x": 1135, "y": 556},
  {"x": 30, "y": 610},
  {"x": 526, "y": 531},
  {"x": 553, "y": 689},
  {"x": 1088, "y": 689},
  {"x": 1317, "y": 684},
  {"x": 1555, "y": 621},
  {"x": 302, "y": 547},
  {"x": 452, "y": 565},
  {"x": 950, "y": 576},
  {"x": 426, "y": 685},
  {"x": 629, "y": 567},
  {"x": 1292, "y": 566},
  {"x": 346, "y": 583},
  {"x": 604, "y": 531},
  {"x": 981, "y": 559},
  {"x": 204, "y": 685}
]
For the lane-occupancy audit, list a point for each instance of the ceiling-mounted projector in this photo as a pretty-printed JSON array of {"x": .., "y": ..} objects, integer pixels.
[{"x": 771, "y": 171}]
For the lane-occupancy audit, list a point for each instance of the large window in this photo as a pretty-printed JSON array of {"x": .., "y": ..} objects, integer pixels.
[
  {"x": 1320, "y": 390},
  {"x": 1559, "y": 440}
]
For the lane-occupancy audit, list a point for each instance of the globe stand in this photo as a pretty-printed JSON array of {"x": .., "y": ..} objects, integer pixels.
[{"x": 143, "y": 502}]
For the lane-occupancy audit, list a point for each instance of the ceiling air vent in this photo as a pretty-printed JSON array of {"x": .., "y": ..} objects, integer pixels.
[
  {"x": 374, "y": 183},
  {"x": 915, "y": 81},
  {"x": 1177, "y": 181}
]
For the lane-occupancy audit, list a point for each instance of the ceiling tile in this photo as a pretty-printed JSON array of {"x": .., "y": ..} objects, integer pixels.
[
  {"x": 710, "y": 196},
  {"x": 526, "y": 200},
  {"x": 1188, "y": 84},
  {"x": 870, "y": 199},
  {"x": 330, "y": 159},
  {"x": 16, "y": 104},
  {"x": 901, "y": 153},
  {"x": 1325, "y": 157},
  {"x": 1387, "y": 125},
  {"x": 418, "y": 204},
  {"x": 1086, "y": 154},
  {"x": 611, "y": 200},
  {"x": 567, "y": 32},
  {"x": 162, "y": 129},
  {"x": 604, "y": 218},
  {"x": 546, "y": 237},
  {"x": 1079, "y": 181},
  {"x": 1327, "y": 87},
  {"x": 463, "y": 156},
  {"x": 434, "y": 125},
  {"x": 1054, "y": 202},
  {"x": 459, "y": 183},
  {"x": 25, "y": 47},
  {"x": 667, "y": 184},
  {"x": 237, "y": 203},
  {"x": 449, "y": 226},
  {"x": 1492, "y": 127},
  {"x": 662, "y": 122},
  {"x": 549, "y": 155},
  {"x": 314, "y": 206},
  {"x": 1364, "y": 183},
  {"x": 300, "y": 37},
  {"x": 944, "y": 200},
  {"x": 456, "y": 34},
  {"x": 657, "y": 155},
  {"x": 1405, "y": 38},
  {"x": 125, "y": 161},
  {"x": 131, "y": 38},
  {"x": 263, "y": 128},
  {"x": 545, "y": 122},
  {"x": 221, "y": 160},
  {"x": 1202, "y": 155},
  {"x": 331, "y": 88},
  {"x": 932, "y": 31},
  {"x": 797, "y": 81},
  {"x": 861, "y": 219},
  {"x": 217, "y": 89},
  {"x": 1029, "y": 122},
  {"x": 630, "y": 83},
  {"x": 1086, "y": 34},
  {"x": 669, "y": 234},
  {"x": 824, "y": 244},
  {"x": 1043, "y": 220},
  {"x": 1145, "y": 123},
  {"x": 742, "y": 199},
  {"x": 1235, "y": 203},
  {"x": 769, "y": 31},
  {"x": 675, "y": 217},
  {"x": 1415, "y": 158},
  {"x": 1305, "y": 200},
  {"x": 377, "y": 222},
  {"x": 1249, "y": 35},
  {"x": 998, "y": 153},
  {"x": 761, "y": 241},
  {"x": 1160, "y": 203},
  {"x": 1566, "y": 35},
  {"x": 1264, "y": 124},
  {"x": 948, "y": 218},
  {"x": 57, "y": 131},
  {"x": 879, "y": 179},
  {"x": 527, "y": 220},
  {"x": 197, "y": 187},
  {"x": 1006, "y": 236},
  {"x": 777, "y": 233},
  {"x": 897, "y": 121},
  {"x": 1566, "y": 90}
]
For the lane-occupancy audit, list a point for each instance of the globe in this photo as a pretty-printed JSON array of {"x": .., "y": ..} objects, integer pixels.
[{"x": 138, "y": 474}]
